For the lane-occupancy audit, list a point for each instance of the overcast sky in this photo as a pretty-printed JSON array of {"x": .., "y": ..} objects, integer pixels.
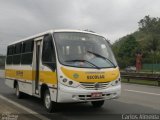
[{"x": 111, "y": 18}]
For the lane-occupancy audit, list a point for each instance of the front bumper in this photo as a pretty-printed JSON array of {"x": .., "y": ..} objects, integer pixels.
[{"x": 69, "y": 94}]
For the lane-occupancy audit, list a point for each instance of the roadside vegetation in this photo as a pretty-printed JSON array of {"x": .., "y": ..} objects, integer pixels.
[
  {"x": 2, "y": 61},
  {"x": 145, "y": 40},
  {"x": 143, "y": 82}
]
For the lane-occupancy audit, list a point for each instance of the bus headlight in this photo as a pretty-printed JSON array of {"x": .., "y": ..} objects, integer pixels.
[
  {"x": 69, "y": 83},
  {"x": 116, "y": 82},
  {"x": 64, "y": 80}
]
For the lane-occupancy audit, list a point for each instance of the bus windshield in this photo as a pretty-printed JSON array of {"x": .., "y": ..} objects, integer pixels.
[{"x": 84, "y": 50}]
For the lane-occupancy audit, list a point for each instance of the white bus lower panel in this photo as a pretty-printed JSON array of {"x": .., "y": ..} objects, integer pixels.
[{"x": 67, "y": 94}]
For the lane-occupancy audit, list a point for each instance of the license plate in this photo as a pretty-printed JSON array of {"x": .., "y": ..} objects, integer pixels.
[{"x": 96, "y": 95}]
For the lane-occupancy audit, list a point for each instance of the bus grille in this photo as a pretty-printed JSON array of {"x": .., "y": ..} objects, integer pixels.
[
  {"x": 94, "y": 86},
  {"x": 88, "y": 97}
]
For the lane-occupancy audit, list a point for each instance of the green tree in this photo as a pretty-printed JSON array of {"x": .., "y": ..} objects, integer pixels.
[
  {"x": 127, "y": 51},
  {"x": 151, "y": 27},
  {"x": 145, "y": 39},
  {"x": 2, "y": 61}
]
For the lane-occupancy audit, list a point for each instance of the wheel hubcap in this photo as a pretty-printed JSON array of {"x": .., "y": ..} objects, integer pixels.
[{"x": 47, "y": 100}]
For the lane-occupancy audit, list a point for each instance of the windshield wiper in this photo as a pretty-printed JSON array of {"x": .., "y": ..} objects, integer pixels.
[
  {"x": 98, "y": 55},
  {"x": 78, "y": 60}
]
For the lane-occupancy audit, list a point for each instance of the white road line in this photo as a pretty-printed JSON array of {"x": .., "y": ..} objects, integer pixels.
[
  {"x": 25, "y": 108},
  {"x": 142, "y": 92}
]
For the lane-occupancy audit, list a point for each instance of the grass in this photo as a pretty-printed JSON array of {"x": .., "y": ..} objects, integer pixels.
[
  {"x": 150, "y": 71},
  {"x": 142, "y": 82}
]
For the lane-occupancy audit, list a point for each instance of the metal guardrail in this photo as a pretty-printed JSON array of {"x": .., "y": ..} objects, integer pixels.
[{"x": 141, "y": 76}]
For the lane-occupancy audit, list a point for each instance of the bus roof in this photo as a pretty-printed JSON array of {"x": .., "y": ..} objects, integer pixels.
[{"x": 52, "y": 31}]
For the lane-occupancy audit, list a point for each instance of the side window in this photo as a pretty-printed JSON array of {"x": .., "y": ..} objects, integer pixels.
[
  {"x": 27, "y": 52},
  {"x": 48, "y": 54},
  {"x": 9, "y": 55},
  {"x": 27, "y": 46},
  {"x": 10, "y": 50},
  {"x": 17, "y": 49},
  {"x": 17, "y": 53}
]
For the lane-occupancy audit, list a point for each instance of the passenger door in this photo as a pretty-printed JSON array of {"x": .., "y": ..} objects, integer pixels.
[
  {"x": 36, "y": 65},
  {"x": 48, "y": 72}
]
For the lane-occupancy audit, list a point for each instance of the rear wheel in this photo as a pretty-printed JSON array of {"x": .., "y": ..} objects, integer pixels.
[
  {"x": 97, "y": 104},
  {"x": 19, "y": 94},
  {"x": 49, "y": 105}
]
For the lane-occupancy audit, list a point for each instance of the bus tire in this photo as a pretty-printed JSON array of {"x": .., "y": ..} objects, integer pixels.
[
  {"x": 48, "y": 103},
  {"x": 19, "y": 94},
  {"x": 97, "y": 104}
]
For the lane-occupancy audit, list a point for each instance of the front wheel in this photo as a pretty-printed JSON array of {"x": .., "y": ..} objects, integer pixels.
[
  {"x": 49, "y": 105},
  {"x": 97, "y": 104},
  {"x": 19, "y": 94}
]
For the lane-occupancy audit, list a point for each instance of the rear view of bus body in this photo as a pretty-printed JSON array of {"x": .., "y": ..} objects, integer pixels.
[{"x": 62, "y": 66}]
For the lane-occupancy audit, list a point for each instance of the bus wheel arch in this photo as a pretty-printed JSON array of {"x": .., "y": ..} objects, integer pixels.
[
  {"x": 46, "y": 97},
  {"x": 44, "y": 87},
  {"x": 18, "y": 93},
  {"x": 15, "y": 83}
]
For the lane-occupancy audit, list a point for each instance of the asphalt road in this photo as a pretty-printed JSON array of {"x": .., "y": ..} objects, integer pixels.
[
  {"x": 9, "y": 111},
  {"x": 135, "y": 99}
]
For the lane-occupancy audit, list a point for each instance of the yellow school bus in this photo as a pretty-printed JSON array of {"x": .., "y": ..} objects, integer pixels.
[{"x": 63, "y": 66}]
